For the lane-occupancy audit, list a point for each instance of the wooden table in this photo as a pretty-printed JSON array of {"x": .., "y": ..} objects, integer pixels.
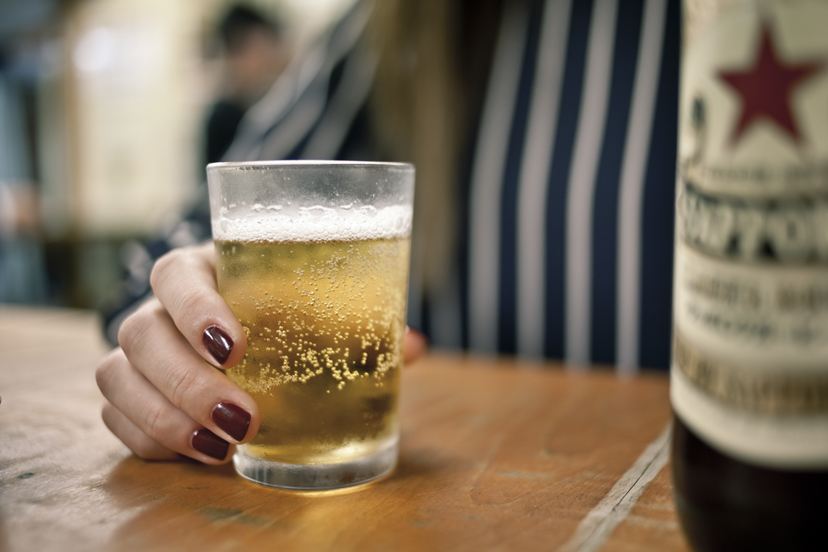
[{"x": 495, "y": 455}]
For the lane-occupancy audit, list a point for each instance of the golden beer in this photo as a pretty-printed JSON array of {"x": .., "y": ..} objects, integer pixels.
[
  {"x": 324, "y": 323},
  {"x": 312, "y": 256}
]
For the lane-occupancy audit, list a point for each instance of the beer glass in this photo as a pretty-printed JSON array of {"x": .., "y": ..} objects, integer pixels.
[{"x": 312, "y": 257}]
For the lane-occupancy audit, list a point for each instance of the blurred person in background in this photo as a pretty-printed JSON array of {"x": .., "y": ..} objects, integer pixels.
[
  {"x": 544, "y": 136},
  {"x": 255, "y": 52}
]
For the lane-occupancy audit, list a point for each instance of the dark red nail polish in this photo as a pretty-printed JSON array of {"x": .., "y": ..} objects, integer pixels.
[
  {"x": 218, "y": 343},
  {"x": 210, "y": 444},
  {"x": 231, "y": 418}
]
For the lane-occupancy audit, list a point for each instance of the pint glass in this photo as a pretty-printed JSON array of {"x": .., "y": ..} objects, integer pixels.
[{"x": 312, "y": 257}]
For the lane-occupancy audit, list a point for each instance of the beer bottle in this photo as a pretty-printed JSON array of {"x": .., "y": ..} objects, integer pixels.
[{"x": 749, "y": 376}]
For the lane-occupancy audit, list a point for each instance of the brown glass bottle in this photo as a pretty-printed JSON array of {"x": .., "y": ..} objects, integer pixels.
[
  {"x": 726, "y": 504},
  {"x": 749, "y": 377}
]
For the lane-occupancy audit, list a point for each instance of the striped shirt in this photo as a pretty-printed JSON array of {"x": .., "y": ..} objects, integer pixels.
[{"x": 567, "y": 222}]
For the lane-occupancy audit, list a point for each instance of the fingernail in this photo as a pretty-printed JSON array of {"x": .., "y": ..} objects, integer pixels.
[
  {"x": 210, "y": 444},
  {"x": 218, "y": 343},
  {"x": 231, "y": 418}
]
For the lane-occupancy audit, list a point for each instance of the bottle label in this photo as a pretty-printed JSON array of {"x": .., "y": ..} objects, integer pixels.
[
  {"x": 755, "y": 338},
  {"x": 750, "y": 350}
]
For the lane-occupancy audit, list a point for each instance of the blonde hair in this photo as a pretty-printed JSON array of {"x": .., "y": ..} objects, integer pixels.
[{"x": 425, "y": 99}]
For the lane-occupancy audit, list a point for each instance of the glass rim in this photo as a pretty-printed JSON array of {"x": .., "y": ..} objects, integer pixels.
[{"x": 307, "y": 163}]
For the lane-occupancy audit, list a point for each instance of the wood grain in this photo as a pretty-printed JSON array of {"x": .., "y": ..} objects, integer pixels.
[{"x": 495, "y": 455}]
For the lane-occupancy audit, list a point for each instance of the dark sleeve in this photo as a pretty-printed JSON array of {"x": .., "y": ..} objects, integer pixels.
[
  {"x": 138, "y": 257},
  {"x": 222, "y": 123}
]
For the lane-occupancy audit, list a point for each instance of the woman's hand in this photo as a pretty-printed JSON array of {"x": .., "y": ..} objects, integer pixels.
[
  {"x": 414, "y": 345},
  {"x": 164, "y": 396}
]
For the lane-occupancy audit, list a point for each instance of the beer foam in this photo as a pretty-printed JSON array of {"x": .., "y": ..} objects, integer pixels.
[{"x": 313, "y": 224}]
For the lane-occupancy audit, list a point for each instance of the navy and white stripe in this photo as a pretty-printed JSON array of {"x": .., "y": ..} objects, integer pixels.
[
  {"x": 582, "y": 182},
  {"x": 631, "y": 192},
  {"x": 534, "y": 175},
  {"x": 587, "y": 164},
  {"x": 311, "y": 109},
  {"x": 487, "y": 180},
  {"x": 568, "y": 214}
]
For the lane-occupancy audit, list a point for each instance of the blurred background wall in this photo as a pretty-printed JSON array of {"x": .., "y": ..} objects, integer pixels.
[{"x": 103, "y": 109}]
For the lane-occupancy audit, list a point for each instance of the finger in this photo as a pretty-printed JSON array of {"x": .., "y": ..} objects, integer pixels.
[
  {"x": 160, "y": 353},
  {"x": 137, "y": 441},
  {"x": 184, "y": 280},
  {"x": 414, "y": 345},
  {"x": 148, "y": 423},
  {"x": 148, "y": 449}
]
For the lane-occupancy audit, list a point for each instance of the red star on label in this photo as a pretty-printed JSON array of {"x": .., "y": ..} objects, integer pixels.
[{"x": 766, "y": 88}]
